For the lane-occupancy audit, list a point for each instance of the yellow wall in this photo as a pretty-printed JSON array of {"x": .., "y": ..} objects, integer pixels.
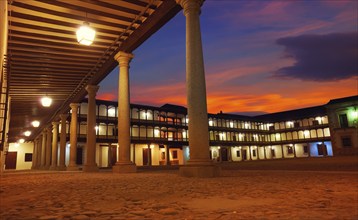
[{"x": 21, "y": 150}]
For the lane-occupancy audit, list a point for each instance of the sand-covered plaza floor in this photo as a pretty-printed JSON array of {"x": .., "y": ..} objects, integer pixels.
[{"x": 163, "y": 194}]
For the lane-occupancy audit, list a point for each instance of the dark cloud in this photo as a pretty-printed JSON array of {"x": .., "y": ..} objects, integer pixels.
[{"x": 321, "y": 57}]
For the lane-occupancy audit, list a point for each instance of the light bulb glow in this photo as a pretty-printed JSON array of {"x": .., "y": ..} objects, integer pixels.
[
  {"x": 46, "y": 101},
  {"x": 22, "y": 141},
  {"x": 35, "y": 123},
  {"x": 85, "y": 34},
  {"x": 27, "y": 133}
]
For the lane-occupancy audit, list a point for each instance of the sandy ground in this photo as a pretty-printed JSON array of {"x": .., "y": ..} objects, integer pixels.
[{"x": 237, "y": 194}]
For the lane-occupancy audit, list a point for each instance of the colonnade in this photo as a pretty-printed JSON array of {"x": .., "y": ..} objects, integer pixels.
[
  {"x": 199, "y": 163},
  {"x": 46, "y": 146}
]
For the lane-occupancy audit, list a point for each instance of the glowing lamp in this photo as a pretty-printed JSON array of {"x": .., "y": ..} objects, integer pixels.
[
  {"x": 46, "y": 101},
  {"x": 35, "y": 123},
  {"x": 21, "y": 141},
  {"x": 85, "y": 34},
  {"x": 27, "y": 133}
]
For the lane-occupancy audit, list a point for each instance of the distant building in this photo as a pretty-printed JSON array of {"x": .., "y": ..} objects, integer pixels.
[{"x": 159, "y": 135}]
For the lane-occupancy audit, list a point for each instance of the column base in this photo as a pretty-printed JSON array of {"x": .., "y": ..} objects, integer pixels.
[
  {"x": 201, "y": 171},
  {"x": 72, "y": 168},
  {"x": 61, "y": 168},
  {"x": 124, "y": 168},
  {"x": 53, "y": 168},
  {"x": 90, "y": 168}
]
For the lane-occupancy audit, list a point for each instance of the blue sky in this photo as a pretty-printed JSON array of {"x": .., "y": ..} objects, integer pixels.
[{"x": 260, "y": 56}]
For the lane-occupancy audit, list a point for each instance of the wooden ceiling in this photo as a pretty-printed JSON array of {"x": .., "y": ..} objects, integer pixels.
[{"x": 45, "y": 58}]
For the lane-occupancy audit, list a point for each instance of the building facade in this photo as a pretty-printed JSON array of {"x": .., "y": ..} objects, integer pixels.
[{"x": 159, "y": 135}]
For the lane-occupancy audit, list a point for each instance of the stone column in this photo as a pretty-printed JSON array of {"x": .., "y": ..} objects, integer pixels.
[
  {"x": 90, "y": 165},
  {"x": 199, "y": 164},
  {"x": 48, "y": 148},
  {"x": 39, "y": 152},
  {"x": 62, "y": 162},
  {"x": 43, "y": 151},
  {"x": 124, "y": 164},
  {"x": 54, "y": 145},
  {"x": 72, "y": 166},
  {"x": 167, "y": 156},
  {"x": 34, "y": 155}
]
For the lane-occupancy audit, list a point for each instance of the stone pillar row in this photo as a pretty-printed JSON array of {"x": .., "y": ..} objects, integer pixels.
[{"x": 46, "y": 154}]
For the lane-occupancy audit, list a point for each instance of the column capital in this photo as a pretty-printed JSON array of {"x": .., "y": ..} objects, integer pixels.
[
  {"x": 123, "y": 58},
  {"x": 190, "y": 6},
  {"x": 74, "y": 105},
  {"x": 92, "y": 89},
  {"x": 63, "y": 117},
  {"x": 55, "y": 123}
]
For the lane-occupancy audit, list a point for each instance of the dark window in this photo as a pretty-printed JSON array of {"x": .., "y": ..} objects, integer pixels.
[
  {"x": 273, "y": 153},
  {"x": 296, "y": 124},
  {"x": 217, "y": 137},
  {"x": 254, "y": 153},
  {"x": 238, "y": 153},
  {"x": 322, "y": 149},
  {"x": 175, "y": 154},
  {"x": 346, "y": 142},
  {"x": 272, "y": 128},
  {"x": 28, "y": 157},
  {"x": 343, "y": 120},
  {"x": 315, "y": 122},
  {"x": 305, "y": 149},
  {"x": 289, "y": 149}
]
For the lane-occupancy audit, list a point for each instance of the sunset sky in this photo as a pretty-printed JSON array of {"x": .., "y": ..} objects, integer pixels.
[{"x": 260, "y": 56}]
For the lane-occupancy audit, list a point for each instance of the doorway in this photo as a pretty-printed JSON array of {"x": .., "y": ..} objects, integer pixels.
[
  {"x": 223, "y": 154},
  {"x": 79, "y": 156},
  {"x": 244, "y": 154},
  {"x": 10, "y": 161},
  {"x": 146, "y": 156},
  {"x": 322, "y": 149}
]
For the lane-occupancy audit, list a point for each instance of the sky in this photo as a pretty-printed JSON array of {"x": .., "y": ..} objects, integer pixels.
[{"x": 260, "y": 56}]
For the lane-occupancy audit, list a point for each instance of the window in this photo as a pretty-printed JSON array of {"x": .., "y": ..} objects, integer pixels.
[
  {"x": 254, "y": 153},
  {"x": 289, "y": 150},
  {"x": 305, "y": 149},
  {"x": 343, "y": 120},
  {"x": 322, "y": 149},
  {"x": 175, "y": 154},
  {"x": 162, "y": 156},
  {"x": 346, "y": 142},
  {"x": 238, "y": 153},
  {"x": 296, "y": 124},
  {"x": 272, "y": 128},
  {"x": 315, "y": 122},
  {"x": 28, "y": 157}
]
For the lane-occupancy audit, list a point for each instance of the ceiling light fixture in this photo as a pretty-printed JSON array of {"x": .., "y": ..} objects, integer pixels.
[
  {"x": 35, "y": 123},
  {"x": 85, "y": 34},
  {"x": 27, "y": 133},
  {"x": 22, "y": 141},
  {"x": 46, "y": 101}
]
